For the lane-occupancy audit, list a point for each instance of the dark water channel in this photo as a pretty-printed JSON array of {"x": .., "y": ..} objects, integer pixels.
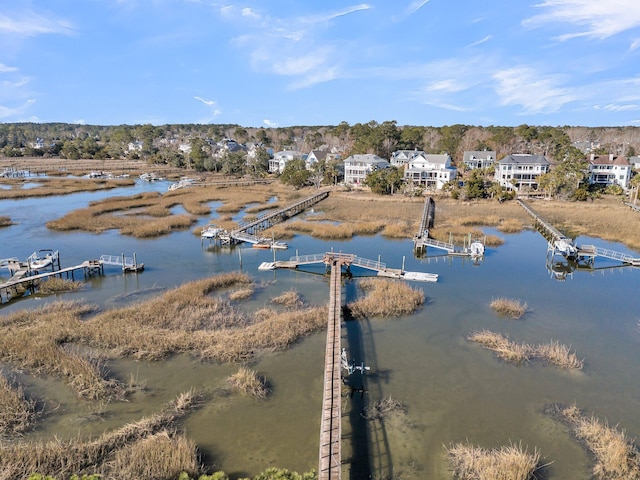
[{"x": 452, "y": 390}]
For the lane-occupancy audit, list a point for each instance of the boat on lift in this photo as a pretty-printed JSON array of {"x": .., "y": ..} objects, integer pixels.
[
  {"x": 41, "y": 259},
  {"x": 211, "y": 231}
]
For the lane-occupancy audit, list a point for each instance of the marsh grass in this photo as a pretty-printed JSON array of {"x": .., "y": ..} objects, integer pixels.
[
  {"x": 249, "y": 382},
  {"x": 107, "y": 454},
  {"x": 241, "y": 294},
  {"x": 512, "y": 462},
  {"x": 510, "y": 225},
  {"x": 552, "y": 353},
  {"x": 55, "y": 285},
  {"x": 508, "y": 307},
  {"x": 384, "y": 408},
  {"x": 59, "y": 186},
  {"x": 386, "y": 298},
  {"x": 5, "y": 221},
  {"x": 36, "y": 340},
  {"x": 17, "y": 413},
  {"x": 289, "y": 299},
  {"x": 616, "y": 455}
]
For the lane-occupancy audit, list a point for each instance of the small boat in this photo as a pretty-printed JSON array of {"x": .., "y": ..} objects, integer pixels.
[
  {"x": 150, "y": 177},
  {"x": 183, "y": 183},
  {"x": 211, "y": 231},
  {"x": 262, "y": 244},
  {"x": 277, "y": 245},
  {"x": 41, "y": 259},
  {"x": 476, "y": 249}
]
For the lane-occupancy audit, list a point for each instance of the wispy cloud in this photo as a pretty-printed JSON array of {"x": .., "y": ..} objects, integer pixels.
[
  {"x": 634, "y": 45},
  {"x": 525, "y": 87},
  {"x": 270, "y": 123},
  {"x": 29, "y": 24},
  {"x": 213, "y": 106},
  {"x": 327, "y": 17},
  {"x": 481, "y": 41},
  {"x": 10, "y": 112},
  {"x": 594, "y": 18},
  {"x": 6, "y": 69}
]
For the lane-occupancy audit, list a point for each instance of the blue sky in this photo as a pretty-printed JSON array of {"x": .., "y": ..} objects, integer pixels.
[{"x": 284, "y": 62}]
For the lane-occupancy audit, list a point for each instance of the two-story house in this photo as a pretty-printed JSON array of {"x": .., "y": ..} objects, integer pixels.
[
  {"x": 479, "y": 159},
  {"x": 430, "y": 171},
  {"x": 316, "y": 156},
  {"x": 519, "y": 170},
  {"x": 609, "y": 170},
  {"x": 358, "y": 166},
  {"x": 400, "y": 158},
  {"x": 280, "y": 160}
]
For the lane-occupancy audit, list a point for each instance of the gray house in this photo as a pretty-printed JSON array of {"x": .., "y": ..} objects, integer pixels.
[
  {"x": 520, "y": 170},
  {"x": 479, "y": 159}
]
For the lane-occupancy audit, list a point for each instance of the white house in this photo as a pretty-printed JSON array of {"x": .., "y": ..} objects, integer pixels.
[
  {"x": 316, "y": 156},
  {"x": 479, "y": 159},
  {"x": 400, "y": 158},
  {"x": 609, "y": 170},
  {"x": 358, "y": 166},
  {"x": 431, "y": 171},
  {"x": 134, "y": 146},
  {"x": 521, "y": 170},
  {"x": 635, "y": 162},
  {"x": 280, "y": 160}
]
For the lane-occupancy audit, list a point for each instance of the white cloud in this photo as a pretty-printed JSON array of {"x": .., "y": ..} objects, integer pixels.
[
  {"x": 5, "y": 69},
  {"x": 212, "y": 104},
  {"x": 270, "y": 123},
  {"x": 480, "y": 42},
  {"x": 10, "y": 112},
  {"x": 595, "y": 18},
  {"x": 634, "y": 45},
  {"x": 251, "y": 13},
  {"x": 621, "y": 108},
  {"x": 29, "y": 24},
  {"x": 523, "y": 86}
]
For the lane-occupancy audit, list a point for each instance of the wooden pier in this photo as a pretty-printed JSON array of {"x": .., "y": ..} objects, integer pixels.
[
  {"x": 559, "y": 243},
  {"x": 348, "y": 260},
  {"x": 421, "y": 239},
  {"x": 22, "y": 278},
  {"x": 267, "y": 220},
  {"x": 330, "y": 455}
]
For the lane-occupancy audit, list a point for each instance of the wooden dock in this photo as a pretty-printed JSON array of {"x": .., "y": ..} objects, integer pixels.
[
  {"x": 330, "y": 459},
  {"x": 348, "y": 260},
  {"x": 421, "y": 239},
  {"x": 269, "y": 219},
  {"x": 21, "y": 280}
]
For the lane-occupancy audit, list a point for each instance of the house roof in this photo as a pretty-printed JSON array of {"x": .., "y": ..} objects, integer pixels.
[
  {"x": 479, "y": 154},
  {"x": 608, "y": 160},
  {"x": 522, "y": 158},
  {"x": 368, "y": 158}
]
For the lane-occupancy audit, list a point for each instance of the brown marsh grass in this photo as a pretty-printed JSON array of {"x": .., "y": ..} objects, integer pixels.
[
  {"x": 35, "y": 340},
  {"x": 386, "y": 298},
  {"x": 248, "y": 382},
  {"x": 552, "y": 353},
  {"x": 509, "y": 307},
  {"x": 17, "y": 412},
  {"x": 106, "y": 455},
  {"x": 510, "y": 225},
  {"x": 59, "y": 186},
  {"x": 512, "y": 462},
  {"x": 289, "y": 299},
  {"x": 5, "y": 221},
  {"x": 616, "y": 456},
  {"x": 58, "y": 285},
  {"x": 241, "y": 294}
]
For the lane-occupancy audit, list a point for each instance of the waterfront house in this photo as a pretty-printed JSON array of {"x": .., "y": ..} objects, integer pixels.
[
  {"x": 280, "y": 160},
  {"x": 358, "y": 166},
  {"x": 316, "y": 156},
  {"x": 400, "y": 158},
  {"x": 430, "y": 170},
  {"x": 479, "y": 159},
  {"x": 519, "y": 170},
  {"x": 609, "y": 170}
]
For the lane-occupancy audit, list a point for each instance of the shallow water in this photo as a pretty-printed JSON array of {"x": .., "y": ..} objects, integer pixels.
[{"x": 453, "y": 390}]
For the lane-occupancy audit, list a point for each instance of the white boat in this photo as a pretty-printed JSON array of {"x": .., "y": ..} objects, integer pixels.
[
  {"x": 278, "y": 245},
  {"x": 476, "y": 249},
  {"x": 150, "y": 177},
  {"x": 183, "y": 183},
  {"x": 211, "y": 231},
  {"x": 565, "y": 247},
  {"x": 41, "y": 259}
]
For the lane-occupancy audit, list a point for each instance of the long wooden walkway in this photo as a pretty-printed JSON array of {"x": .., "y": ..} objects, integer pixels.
[
  {"x": 551, "y": 233},
  {"x": 330, "y": 459},
  {"x": 269, "y": 219},
  {"x": 426, "y": 222}
]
